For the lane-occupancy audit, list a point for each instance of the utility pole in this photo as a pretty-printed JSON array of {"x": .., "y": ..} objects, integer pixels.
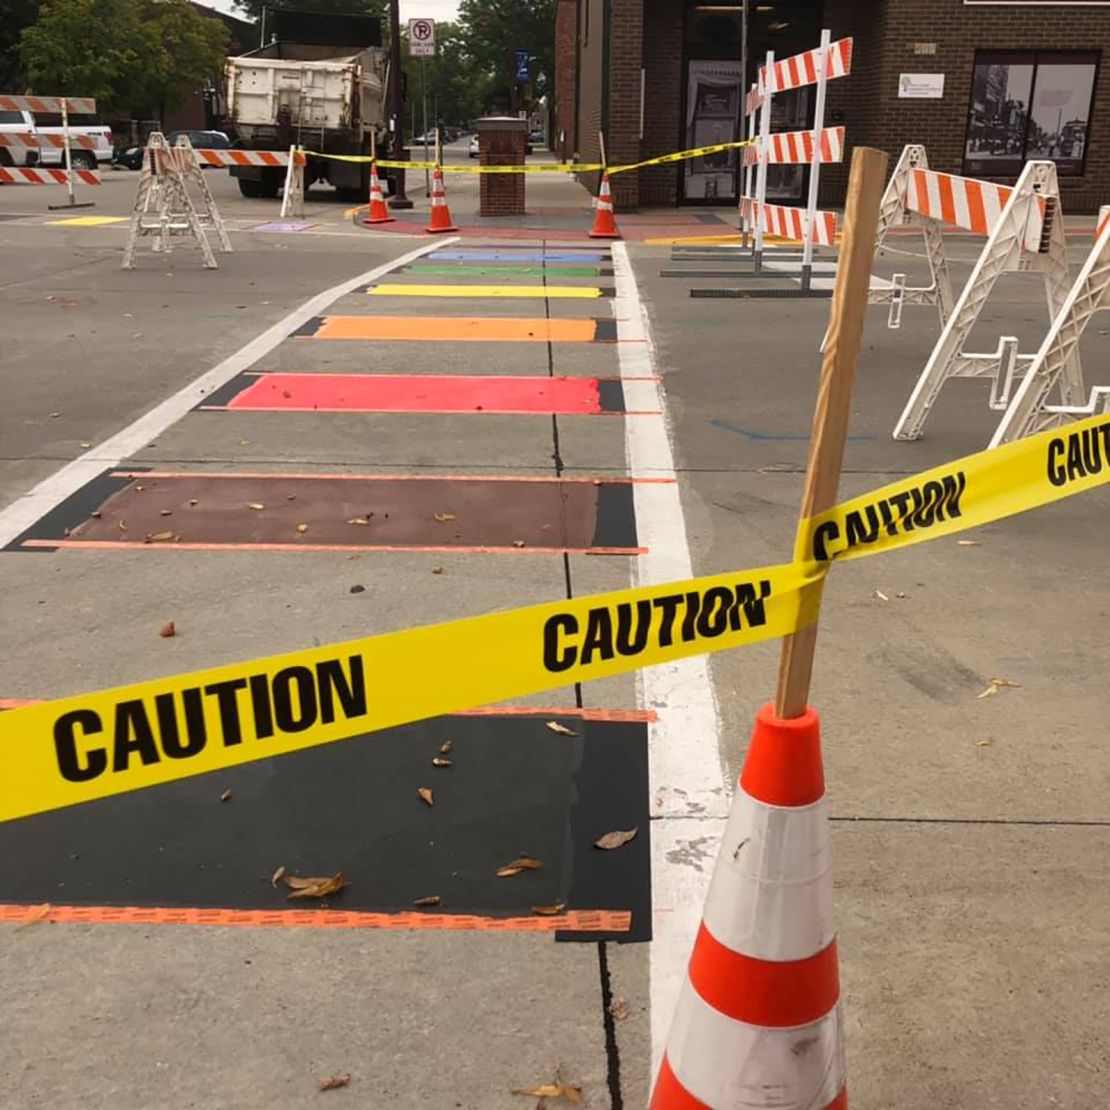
[{"x": 396, "y": 95}]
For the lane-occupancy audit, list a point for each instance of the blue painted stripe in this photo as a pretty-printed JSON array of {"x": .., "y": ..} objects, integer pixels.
[{"x": 515, "y": 256}]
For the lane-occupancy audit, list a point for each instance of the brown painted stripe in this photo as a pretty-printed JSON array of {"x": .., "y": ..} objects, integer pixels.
[
  {"x": 585, "y": 921},
  {"x": 458, "y": 329}
]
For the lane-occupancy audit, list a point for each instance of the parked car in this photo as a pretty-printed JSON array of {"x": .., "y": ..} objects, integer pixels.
[
  {"x": 90, "y": 126},
  {"x": 132, "y": 158},
  {"x": 472, "y": 149},
  {"x": 17, "y": 123},
  {"x": 536, "y": 138}
]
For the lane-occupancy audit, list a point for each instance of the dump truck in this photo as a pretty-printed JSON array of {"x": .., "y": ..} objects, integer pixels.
[{"x": 318, "y": 81}]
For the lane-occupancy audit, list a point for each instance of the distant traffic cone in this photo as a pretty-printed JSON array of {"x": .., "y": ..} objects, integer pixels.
[
  {"x": 758, "y": 1021},
  {"x": 379, "y": 210},
  {"x": 440, "y": 213},
  {"x": 605, "y": 227}
]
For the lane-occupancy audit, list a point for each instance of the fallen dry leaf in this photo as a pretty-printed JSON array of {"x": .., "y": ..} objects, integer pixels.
[
  {"x": 277, "y": 875},
  {"x": 444, "y": 518},
  {"x": 358, "y": 520},
  {"x": 997, "y": 684},
  {"x": 302, "y": 528},
  {"x": 984, "y": 743},
  {"x": 437, "y": 762},
  {"x": 572, "y": 1092},
  {"x": 315, "y": 887},
  {"x": 334, "y": 1082},
  {"x": 256, "y": 505},
  {"x": 431, "y": 900},
  {"x": 549, "y": 911},
  {"x": 968, "y": 543},
  {"x": 121, "y": 525},
  {"x": 95, "y": 514},
  {"x": 193, "y": 501},
  {"x": 36, "y": 914},
  {"x": 166, "y": 512},
  {"x": 616, "y": 839},
  {"x": 437, "y": 570},
  {"x": 168, "y": 629},
  {"x": 900, "y": 594},
  {"x": 161, "y": 537},
  {"x": 225, "y": 796},
  {"x": 445, "y": 747},
  {"x": 562, "y": 730},
  {"x": 619, "y": 1009},
  {"x": 521, "y": 863},
  {"x": 426, "y": 796},
  {"x": 881, "y": 596},
  {"x": 518, "y": 543}
]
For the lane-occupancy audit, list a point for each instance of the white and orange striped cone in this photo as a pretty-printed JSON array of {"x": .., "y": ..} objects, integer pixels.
[
  {"x": 440, "y": 213},
  {"x": 758, "y": 1021},
  {"x": 379, "y": 210},
  {"x": 605, "y": 226}
]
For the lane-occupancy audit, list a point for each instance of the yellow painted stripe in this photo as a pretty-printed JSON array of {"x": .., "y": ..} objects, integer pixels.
[
  {"x": 566, "y": 292},
  {"x": 87, "y": 221}
]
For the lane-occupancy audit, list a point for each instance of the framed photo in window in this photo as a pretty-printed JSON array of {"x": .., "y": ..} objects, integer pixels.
[{"x": 1029, "y": 105}]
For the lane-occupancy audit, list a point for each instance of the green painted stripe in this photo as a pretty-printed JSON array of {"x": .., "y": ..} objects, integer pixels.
[{"x": 561, "y": 271}]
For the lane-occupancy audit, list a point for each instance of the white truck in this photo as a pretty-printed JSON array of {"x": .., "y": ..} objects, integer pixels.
[{"x": 325, "y": 98}]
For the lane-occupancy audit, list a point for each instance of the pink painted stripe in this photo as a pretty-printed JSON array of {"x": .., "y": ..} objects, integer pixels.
[{"x": 419, "y": 393}]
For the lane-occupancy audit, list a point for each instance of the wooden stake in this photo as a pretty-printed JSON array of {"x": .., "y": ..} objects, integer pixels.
[
  {"x": 601, "y": 147},
  {"x": 373, "y": 144},
  {"x": 834, "y": 393}
]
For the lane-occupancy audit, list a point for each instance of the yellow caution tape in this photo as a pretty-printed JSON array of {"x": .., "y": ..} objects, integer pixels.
[
  {"x": 78, "y": 749},
  {"x": 90, "y": 746},
  {"x": 536, "y": 167}
]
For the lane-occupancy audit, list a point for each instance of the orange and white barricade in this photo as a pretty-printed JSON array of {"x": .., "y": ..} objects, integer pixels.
[
  {"x": 65, "y": 142},
  {"x": 758, "y": 1023},
  {"x": 788, "y": 222},
  {"x": 292, "y": 195},
  {"x": 1030, "y": 409},
  {"x": 277, "y": 159},
  {"x": 1024, "y": 226},
  {"x": 1103, "y": 219},
  {"x": 164, "y": 206},
  {"x": 815, "y": 147}
]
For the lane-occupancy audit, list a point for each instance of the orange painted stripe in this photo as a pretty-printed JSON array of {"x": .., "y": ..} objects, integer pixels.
[
  {"x": 585, "y": 921},
  {"x": 947, "y": 201},
  {"x": 645, "y": 716},
  {"x": 669, "y": 1093},
  {"x": 763, "y": 992},
  {"x": 139, "y": 475},
  {"x": 111, "y": 545},
  {"x": 457, "y": 329},
  {"x": 634, "y": 715},
  {"x": 975, "y": 209}
]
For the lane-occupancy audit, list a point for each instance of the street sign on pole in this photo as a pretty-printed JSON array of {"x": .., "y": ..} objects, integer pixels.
[
  {"x": 522, "y": 64},
  {"x": 422, "y": 38}
]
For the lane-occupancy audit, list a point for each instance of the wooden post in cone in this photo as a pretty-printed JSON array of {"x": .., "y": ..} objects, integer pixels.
[
  {"x": 605, "y": 225},
  {"x": 440, "y": 213},
  {"x": 758, "y": 1022}
]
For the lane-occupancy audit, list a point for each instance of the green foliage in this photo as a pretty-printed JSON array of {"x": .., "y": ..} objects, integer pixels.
[
  {"x": 493, "y": 30},
  {"x": 459, "y": 88},
  {"x": 129, "y": 54},
  {"x": 15, "y": 15}
]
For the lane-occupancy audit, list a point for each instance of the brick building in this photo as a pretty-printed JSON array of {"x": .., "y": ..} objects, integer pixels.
[{"x": 984, "y": 84}]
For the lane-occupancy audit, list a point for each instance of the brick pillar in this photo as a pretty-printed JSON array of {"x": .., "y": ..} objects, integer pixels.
[
  {"x": 501, "y": 142},
  {"x": 626, "y": 52},
  {"x": 566, "y": 65}
]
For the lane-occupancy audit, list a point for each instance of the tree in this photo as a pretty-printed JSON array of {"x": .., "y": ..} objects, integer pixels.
[
  {"x": 494, "y": 30},
  {"x": 133, "y": 55},
  {"x": 15, "y": 15},
  {"x": 459, "y": 89}
]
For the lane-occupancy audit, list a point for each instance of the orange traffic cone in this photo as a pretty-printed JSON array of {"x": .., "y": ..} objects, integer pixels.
[
  {"x": 379, "y": 210},
  {"x": 605, "y": 227},
  {"x": 440, "y": 213},
  {"x": 758, "y": 1020}
]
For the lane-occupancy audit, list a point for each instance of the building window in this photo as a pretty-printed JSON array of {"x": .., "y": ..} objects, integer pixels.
[{"x": 1027, "y": 106}]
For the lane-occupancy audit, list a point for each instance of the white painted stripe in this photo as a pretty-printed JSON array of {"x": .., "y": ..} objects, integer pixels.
[
  {"x": 730, "y": 1065},
  {"x": 932, "y": 191},
  {"x": 771, "y": 896},
  {"x": 959, "y": 203},
  {"x": 52, "y": 491},
  {"x": 687, "y": 780}
]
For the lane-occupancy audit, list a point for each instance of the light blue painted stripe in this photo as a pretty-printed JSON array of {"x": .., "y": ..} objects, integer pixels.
[{"x": 514, "y": 256}]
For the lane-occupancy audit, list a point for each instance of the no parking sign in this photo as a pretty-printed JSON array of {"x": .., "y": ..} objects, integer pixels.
[{"x": 422, "y": 38}]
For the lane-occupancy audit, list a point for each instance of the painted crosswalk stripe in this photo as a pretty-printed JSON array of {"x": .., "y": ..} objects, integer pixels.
[
  {"x": 459, "y": 329},
  {"x": 496, "y": 271},
  {"x": 490, "y": 292}
]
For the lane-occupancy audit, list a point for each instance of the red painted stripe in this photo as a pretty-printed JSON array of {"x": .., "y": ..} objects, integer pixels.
[
  {"x": 762, "y": 992},
  {"x": 669, "y": 1094},
  {"x": 947, "y": 199},
  {"x": 783, "y": 764},
  {"x": 975, "y": 208},
  {"x": 810, "y": 61},
  {"x": 419, "y": 393}
]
